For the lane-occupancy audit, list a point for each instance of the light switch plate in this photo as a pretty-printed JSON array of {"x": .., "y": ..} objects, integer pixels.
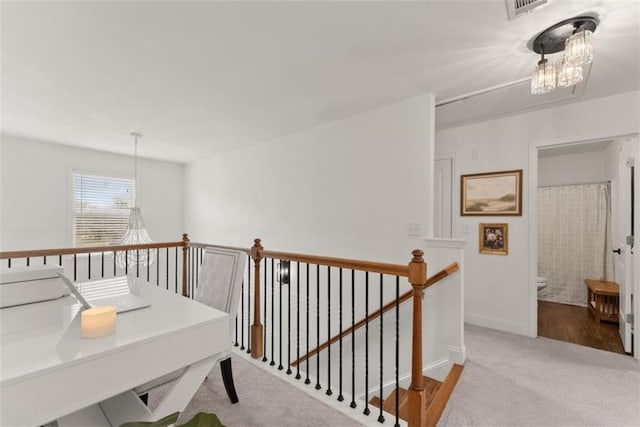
[{"x": 414, "y": 229}]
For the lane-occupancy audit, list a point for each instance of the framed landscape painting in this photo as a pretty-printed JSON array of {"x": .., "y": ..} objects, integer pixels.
[
  {"x": 494, "y": 239},
  {"x": 492, "y": 193}
]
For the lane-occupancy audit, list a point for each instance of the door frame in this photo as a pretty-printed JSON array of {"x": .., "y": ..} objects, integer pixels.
[{"x": 534, "y": 148}]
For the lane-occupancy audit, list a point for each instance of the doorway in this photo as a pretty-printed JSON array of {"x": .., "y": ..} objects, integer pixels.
[{"x": 583, "y": 215}]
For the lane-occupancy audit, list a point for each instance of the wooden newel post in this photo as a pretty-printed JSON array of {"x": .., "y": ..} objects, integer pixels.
[
  {"x": 417, "y": 396},
  {"x": 256, "y": 328},
  {"x": 185, "y": 260}
]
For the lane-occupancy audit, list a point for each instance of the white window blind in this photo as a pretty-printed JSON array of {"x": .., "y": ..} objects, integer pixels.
[{"x": 100, "y": 208}]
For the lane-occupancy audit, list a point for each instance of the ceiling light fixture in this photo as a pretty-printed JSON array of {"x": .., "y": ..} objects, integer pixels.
[
  {"x": 136, "y": 232},
  {"x": 573, "y": 36}
]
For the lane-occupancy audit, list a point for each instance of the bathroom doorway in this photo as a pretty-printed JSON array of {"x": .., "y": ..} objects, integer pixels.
[{"x": 581, "y": 218}]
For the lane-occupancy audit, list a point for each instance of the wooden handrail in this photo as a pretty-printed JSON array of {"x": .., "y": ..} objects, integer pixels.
[
  {"x": 352, "y": 264},
  {"x": 72, "y": 251},
  {"x": 450, "y": 269}
]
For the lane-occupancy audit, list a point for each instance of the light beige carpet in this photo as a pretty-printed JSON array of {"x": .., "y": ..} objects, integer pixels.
[
  {"x": 508, "y": 380},
  {"x": 511, "y": 380},
  {"x": 265, "y": 400}
]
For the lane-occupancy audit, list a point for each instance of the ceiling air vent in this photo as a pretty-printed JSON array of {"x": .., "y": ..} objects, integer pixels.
[{"x": 516, "y": 8}]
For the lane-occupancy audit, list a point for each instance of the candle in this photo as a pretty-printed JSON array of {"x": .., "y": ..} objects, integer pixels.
[{"x": 98, "y": 321}]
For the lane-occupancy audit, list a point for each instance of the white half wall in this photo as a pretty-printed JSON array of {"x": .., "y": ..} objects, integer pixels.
[
  {"x": 497, "y": 291},
  {"x": 36, "y": 196},
  {"x": 348, "y": 188}
]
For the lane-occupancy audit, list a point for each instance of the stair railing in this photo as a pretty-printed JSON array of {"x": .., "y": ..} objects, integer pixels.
[
  {"x": 448, "y": 270},
  {"x": 170, "y": 270},
  {"x": 97, "y": 262}
]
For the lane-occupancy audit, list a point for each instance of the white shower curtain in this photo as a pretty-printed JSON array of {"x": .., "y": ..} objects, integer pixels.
[{"x": 574, "y": 240}]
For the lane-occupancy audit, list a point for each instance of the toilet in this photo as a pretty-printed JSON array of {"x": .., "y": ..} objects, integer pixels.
[{"x": 541, "y": 282}]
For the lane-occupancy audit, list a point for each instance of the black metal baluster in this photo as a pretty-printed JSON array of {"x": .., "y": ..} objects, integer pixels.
[
  {"x": 318, "y": 386},
  {"x": 148, "y": 262},
  {"x": 75, "y": 266},
  {"x": 59, "y": 261},
  {"x": 126, "y": 262},
  {"x": 248, "y": 306},
  {"x": 29, "y": 261},
  {"x": 114, "y": 263},
  {"x": 381, "y": 417},
  {"x": 298, "y": 320},
  {"x": 329, "y": 392},
  {"x": 289, "y": 322},
  {"x": 397, "y": 424},
  {"x": 44, "y": 260},
  {"x": 273, "y": 307},
  {"x": 89, "y": 266},
  {"x": 241, "y": 316},
  {"x": 236, "y": 329},
  {"x": 353, "y": 340},
  {"x": 167, "y": 270},
  {"x": 264, "y": 279},
  {"x": 280, "y": 367},
  {"x": 307, "y": 380},
  {"x": 340, "y": 396},
  {"x": 176, "y": 266},
  {"x": 137, "y": 263},
  {"x": 101, "y": 264},
  {"x": 366, "y": 344},
  {"x": 9, "y": 262}
]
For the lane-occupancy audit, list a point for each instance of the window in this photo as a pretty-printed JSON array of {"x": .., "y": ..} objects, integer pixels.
[{"x": 100, "y": 208}]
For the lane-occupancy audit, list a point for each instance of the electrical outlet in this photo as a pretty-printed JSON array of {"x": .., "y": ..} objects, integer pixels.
[{"x": 414, "y": 229}]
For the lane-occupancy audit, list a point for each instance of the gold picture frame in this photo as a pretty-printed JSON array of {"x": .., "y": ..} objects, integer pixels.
[
  {"x": 494, "y": 239},
  {"x": 491, "y": 193}
]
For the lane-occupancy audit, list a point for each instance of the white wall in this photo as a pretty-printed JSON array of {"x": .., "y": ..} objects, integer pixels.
[
  {"x": 348, "y": 188},
  {"x": 578, "y": 168},
  {"x": 36, "y": 192},
  {"x": 612, "y": 160},
  {"x": 496, "y": 287}
]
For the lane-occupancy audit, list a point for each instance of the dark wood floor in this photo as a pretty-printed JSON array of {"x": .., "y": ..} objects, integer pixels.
[{"x": 576, "y": 325}]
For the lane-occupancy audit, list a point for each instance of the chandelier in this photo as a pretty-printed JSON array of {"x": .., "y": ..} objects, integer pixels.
[
  {"x": 573, "y": 36},
  {"x": 136, "y": 233}
]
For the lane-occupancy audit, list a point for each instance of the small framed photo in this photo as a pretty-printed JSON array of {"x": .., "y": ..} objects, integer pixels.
[
  {"x": 492, "y": 193},
  {"x": 494, "y": 239}
]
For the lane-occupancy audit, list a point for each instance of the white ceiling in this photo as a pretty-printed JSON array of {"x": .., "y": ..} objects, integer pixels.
[{"x": 199, "y": 78}]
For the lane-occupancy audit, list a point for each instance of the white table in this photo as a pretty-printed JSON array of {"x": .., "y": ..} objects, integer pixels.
[{"x": 48, "y": 372}]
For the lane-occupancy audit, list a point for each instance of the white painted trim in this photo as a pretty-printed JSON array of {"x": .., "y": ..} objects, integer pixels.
[
  {"x": 532, "y": 293},
  {"x": 636, "y": 290},
  {"x": 439, "y": 242},
  {"x": 458, "y": 354},
  {"x": 431, "y": 146},
  {"x": 495, "y": 323},
  {"x": 437, "y": 370},
  {"x": 534, "y": 147}
]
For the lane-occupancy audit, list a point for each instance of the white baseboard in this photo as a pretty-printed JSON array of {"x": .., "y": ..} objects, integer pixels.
[
  {"x": 437, "y": 370},
  {"x": 496, "y": 323},
  {"x": 457, "y": 354}
]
